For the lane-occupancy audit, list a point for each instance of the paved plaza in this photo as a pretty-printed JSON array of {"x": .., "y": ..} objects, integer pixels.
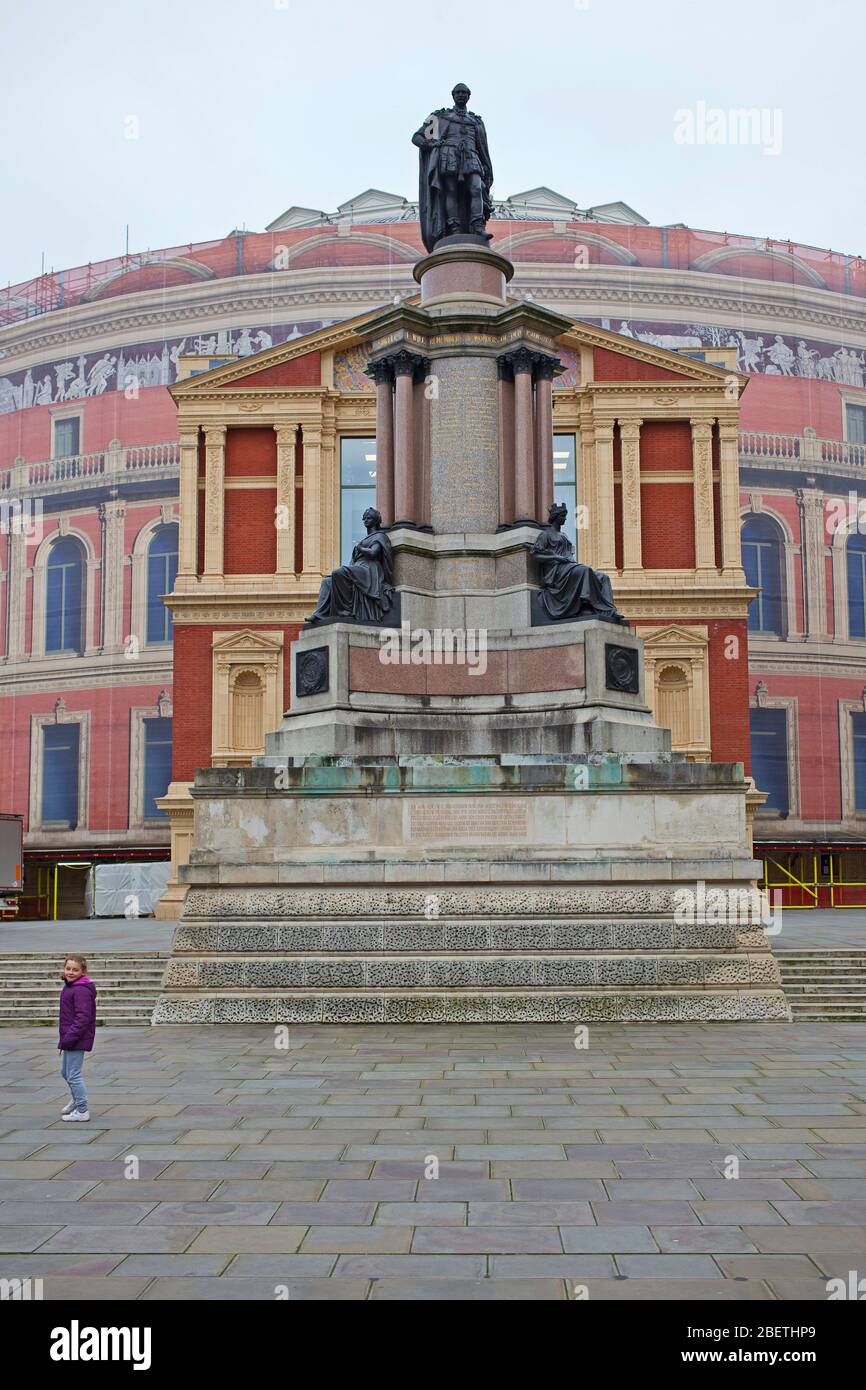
[{"x": 307, "y": 1171}]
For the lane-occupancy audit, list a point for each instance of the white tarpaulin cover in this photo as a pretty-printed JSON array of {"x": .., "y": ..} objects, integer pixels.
[{"x": 128, "y": 890}]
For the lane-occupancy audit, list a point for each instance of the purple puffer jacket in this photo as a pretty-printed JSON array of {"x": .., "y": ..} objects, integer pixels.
[{"x": 78, "y": 1015}]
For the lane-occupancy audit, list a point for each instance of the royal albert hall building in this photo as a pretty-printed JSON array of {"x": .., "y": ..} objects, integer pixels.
[{"x": 95, "y": 755}]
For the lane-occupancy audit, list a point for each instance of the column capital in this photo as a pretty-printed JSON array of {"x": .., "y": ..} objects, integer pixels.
[
  {"x": 188, "y": 436},
  {"x": 215, "y": 434},
  {"x": 286, "y": 435},
  {"x": 406, "y": 363},
  {"x": 702, "y": 423},
  {"x": 522, "y": 359},
  {"x": 629, "y": 428},
  {"x": 382, "y": 372},
  {"x": 546, "y": 368},
  {"x": 504, "y": 369}
]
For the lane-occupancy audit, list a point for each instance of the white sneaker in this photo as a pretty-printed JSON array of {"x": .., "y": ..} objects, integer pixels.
[
  {"x": 77, "y": 1115},
  {"x": 70, "y": 1105}
]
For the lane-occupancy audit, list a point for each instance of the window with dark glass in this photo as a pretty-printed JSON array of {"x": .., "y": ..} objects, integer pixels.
[
  {"x": 161, "y": 572},
  {"x": 157, "y": 764},
  {"x": 357, "y": 491},
  {"x": 60, "y": 745},
  {"x": 856, "y": 560},
  {"x": 67, "y": 437},
  {"x": 64, "y": 597},
  {"x": 565, "y": 482},
  {"x": 858, "y": 731},
  {"x": 856, "y": 423},
  {"x": 762, "y": 562},
  {"x": 768, "y": 729}
]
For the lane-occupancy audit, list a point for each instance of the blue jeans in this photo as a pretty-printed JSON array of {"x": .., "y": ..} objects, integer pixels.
[{"x": 70, "y": 1070}]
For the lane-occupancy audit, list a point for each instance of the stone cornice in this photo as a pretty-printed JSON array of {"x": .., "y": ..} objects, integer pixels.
[{"x": 631, "y": 292}]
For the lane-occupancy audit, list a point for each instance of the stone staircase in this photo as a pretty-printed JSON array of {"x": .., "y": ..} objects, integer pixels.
[
  {"x": 128, "y": 986},
  {"x": 824, "y": 985}
]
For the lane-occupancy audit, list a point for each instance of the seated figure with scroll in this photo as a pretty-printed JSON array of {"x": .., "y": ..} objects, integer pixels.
[
  {"x": 363, "y": 591},
  {"x": 569, "y": 590}
]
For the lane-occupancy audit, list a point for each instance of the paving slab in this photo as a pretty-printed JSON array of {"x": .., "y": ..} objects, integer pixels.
[{"x": 306, "y": 1175}]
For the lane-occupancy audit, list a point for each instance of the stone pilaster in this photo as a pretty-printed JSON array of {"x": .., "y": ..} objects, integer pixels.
[
  {"x": 812, "y": 542},
  {"x": 605, "y": 533},
  {"x": 16, "y": 588},
  {"x": 285, "y": 499},
  {"x": 312, "y": 500},
  {"x": 112, "y": 516},
  {"x": 702, "y": 490},
  {"x": 214, "y": 498},
  {"x": 729, "y": 498},
  {"x": 187, "y": 560},
  {"x": 631, "y": 519}
]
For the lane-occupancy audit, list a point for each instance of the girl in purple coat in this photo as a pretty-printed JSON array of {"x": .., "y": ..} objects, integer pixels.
[{"x": 77, "y": 1030}]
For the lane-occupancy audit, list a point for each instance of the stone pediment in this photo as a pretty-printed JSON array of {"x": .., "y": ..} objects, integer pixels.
[
  {"x": 247, "y": 642},
  {"x": 257, "y": 370},
  {"x": 634, "y": 350}
]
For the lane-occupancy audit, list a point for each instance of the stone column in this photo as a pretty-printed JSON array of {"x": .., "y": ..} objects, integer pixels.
[
  {"x": 702, "y": 492},
  {"x": 604, "y": 496},
  {"x": 812, "y": 544},
  {"x": 187, "y": 560},
  {"x": 729, "y": 498},
  {"x": 285, "y": 498},
  {"x": 405, "y": 489},
  {"x": 632, "y": 557},
  {"x": 112, "y": 517},
  {"x": 506, "y": 440},
  {"x": 312, "y": 438},
  {"x": 544, "y": 371},
  {"x": 422, "y": 445},
  {"x": 383, "y": 375},
  {"x": 522, "y": 362},
  {"x": 214, "y": 498}
]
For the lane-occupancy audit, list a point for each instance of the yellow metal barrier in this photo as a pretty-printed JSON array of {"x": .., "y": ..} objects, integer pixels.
[{"x": 807, "y": 885}]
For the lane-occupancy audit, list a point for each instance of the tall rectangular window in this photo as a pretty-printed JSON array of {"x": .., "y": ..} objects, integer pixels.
[
  {"x": 565, "y": 483},
  {"x": 157, "y": 764},
  {"x": 60, "y": 745},
  {"x": 769, "y": 743},
  {"x": 67, "y": 437},
  {"x": 856, "y": 423},
  {"x": 357, "y": 491},
  {"x": 858, "y": 730}
]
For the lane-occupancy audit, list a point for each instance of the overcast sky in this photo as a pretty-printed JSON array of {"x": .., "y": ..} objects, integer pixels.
[{"x": 240, "y": 108}]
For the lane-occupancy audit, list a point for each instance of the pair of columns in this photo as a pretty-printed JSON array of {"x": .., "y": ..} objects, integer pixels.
[
  {"x": 402, "y": 438},
  {"x": 214, "y": 500},
  {"x": 525, "y": 435},
  {"x": 702, "y": 493}
]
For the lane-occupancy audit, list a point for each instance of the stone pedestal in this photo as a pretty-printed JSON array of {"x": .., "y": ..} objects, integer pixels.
[{"x": 471, "y": 817}]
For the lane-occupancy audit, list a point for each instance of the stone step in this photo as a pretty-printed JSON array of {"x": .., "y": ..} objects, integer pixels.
[
  {"x": 473, "y": 1006},
  {"x": 127, "y": 983},
  {"x": 470, "y": 970}
]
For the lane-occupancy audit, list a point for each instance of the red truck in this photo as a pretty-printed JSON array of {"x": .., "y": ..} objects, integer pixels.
[{"x": 11, "y": 861}]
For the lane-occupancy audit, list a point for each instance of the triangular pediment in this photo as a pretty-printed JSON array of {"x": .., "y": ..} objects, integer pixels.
[
  {"x": 617, "y": 212},
  {"x": 338, "y": 337},
  {"x": 635, "y": 350},
  {"x": 246, "y": 642},
  {"x": 297, "y": 217},
  {"x": 542, "y": 198},
  {"x": 675, "y": 636},
  {"x": 372, "y": 199}
]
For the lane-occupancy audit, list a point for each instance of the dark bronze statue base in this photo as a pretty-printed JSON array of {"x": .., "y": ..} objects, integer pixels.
[
  {"x": 392, "y": 617},
  {"x": 541, "y": 618}
]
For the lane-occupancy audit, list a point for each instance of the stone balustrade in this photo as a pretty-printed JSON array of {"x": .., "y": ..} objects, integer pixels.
[{"x": 113, "y": 463}]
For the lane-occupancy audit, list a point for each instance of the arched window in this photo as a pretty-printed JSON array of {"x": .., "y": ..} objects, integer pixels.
[
  {"x": 762, "y": 562},
  {"x": 856, "y": 556},
  {"x": 64, "y": 597},
  {"x": 161, "y": 571}
]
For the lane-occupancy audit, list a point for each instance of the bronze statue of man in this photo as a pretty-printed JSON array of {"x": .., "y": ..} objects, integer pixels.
[{"x": 455, "y": 172}]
